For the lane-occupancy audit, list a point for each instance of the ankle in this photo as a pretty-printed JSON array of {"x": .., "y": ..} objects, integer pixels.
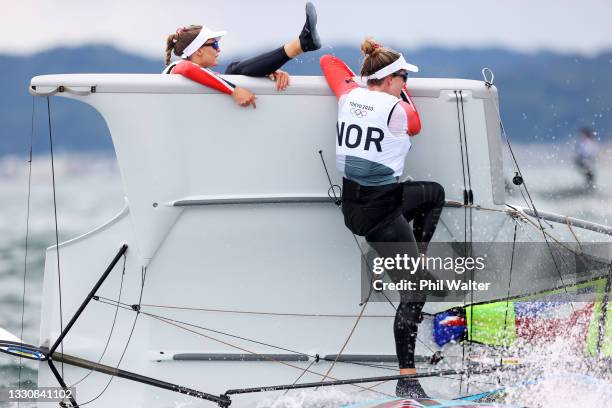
[{"x": 293, "y": 48}]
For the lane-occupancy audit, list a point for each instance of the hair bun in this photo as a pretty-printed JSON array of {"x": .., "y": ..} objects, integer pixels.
[{"x": 369, "y": 46}]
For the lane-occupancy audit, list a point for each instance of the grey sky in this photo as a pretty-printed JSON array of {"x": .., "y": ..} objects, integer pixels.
[{"x": 141, "y": 26}]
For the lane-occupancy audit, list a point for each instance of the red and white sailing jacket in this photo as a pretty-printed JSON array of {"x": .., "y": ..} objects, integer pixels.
[{"x": 203, "y": 76}]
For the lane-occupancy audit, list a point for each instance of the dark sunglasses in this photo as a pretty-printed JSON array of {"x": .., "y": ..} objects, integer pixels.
[
  {"x": 403, "y": 75},
  {"x": 214, "y": 44}
]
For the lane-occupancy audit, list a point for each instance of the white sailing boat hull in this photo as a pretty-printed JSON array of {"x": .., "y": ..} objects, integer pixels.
[{"x": 229, "y": 227}]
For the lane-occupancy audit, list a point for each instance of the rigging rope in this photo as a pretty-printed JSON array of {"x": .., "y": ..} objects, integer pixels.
[
  {"x": 569, "y": 225},
  {"x": 110, "y": 335},
  {"x": 332, "y": 186},
  {"x": 262, "y": 313},
  {"x": 59, "y": 274},
  {"x": 501, "y": 357},
  {"x": 130, "y": 307},
  {"x": 346, "y": 341},
  {"x": 467, "y": 154},
  {"x": 169, "y": 321},
  {"x": 591, "y": 261},
  {"x": 172, "y": 322},
  {"x": 178, "y": 323},
  {"x": 302, "y": 373},
  {"x": 27, "y": 235},
  {"x": 465, "y": 195},
  {"x": 530, "y": 204},
  {"x": 470, "y": 199},
  {"x": 112, "y": 376}
]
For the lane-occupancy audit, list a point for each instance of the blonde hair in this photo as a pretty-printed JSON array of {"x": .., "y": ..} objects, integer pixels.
[
  {"x": 376, "y": 57},
  {"x": 178, "y": 41}
]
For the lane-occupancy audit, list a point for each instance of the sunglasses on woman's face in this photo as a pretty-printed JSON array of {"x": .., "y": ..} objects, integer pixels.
[
  {"x": 403, "y": 75},
  {"x": 214, "y": 44}
]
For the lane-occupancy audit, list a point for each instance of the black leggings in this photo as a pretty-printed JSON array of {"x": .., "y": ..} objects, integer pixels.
[
  {"x": 405, "y": 331},
  {"x": 382, "y": 215},
  {"x": 261, "y": 65}
]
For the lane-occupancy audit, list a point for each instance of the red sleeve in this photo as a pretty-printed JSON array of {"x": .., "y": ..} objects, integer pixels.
[
  {"x": 414, "y": 122},
  {"x": 338, "y": 75},
  {"x": 203, "y": 76}
]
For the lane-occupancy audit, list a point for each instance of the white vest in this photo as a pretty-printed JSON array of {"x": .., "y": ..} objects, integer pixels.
[{"x": 363, "y": 136}]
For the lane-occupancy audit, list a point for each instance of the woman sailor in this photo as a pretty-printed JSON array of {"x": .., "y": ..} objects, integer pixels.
[
  {"x": 198, "y": 46},
  {"x": 374, "y": 128}
]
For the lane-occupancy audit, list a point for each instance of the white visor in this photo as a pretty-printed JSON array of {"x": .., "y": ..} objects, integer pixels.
[
  {"x": 204, "y": 35},
  {"x": 397, "y": 65}
]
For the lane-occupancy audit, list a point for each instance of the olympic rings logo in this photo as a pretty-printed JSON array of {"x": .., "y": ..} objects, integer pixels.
[{"x": 359, "y": 113}]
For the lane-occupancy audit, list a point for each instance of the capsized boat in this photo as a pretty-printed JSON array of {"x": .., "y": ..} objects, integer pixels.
[{"x": 230, "y": 268}]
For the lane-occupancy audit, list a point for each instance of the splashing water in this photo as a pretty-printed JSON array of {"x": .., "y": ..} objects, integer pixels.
[
  {"x": 561, "y": 374},
  {"x": 322, "y": 398},
  {"x": 563, "y": 390}
]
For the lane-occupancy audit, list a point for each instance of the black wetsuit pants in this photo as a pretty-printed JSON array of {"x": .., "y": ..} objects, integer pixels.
[
  {"x": 259, "y": 66},
  {"x": 382, "y": 214}
]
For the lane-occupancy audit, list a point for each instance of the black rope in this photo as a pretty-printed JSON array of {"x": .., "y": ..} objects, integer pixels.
[
  {"x": 465, "y": 214},
  {"x": 59, "y": 274},
  {"x": 467, "y": 154},
  {"x": 501, "y": 357},
  {"x": 467, "y": 159},
  {"x": 531, "y": 205},
  {"x": 470, "y": 210},
  {"x": 110, "y": 335},
  {"x": 27, "y": 235},
  {"x": 371, "y": 273},
  {"x": 465, "y": 196},
  {"x": 303, "y": 372},
  {"x": 112, "y": 376},
  {"x": 332, "y": 186}
]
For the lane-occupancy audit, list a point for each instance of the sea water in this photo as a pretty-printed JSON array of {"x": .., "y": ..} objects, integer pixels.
[{"x": 89, "y": 192}]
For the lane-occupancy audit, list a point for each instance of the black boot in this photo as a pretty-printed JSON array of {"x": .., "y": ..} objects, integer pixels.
[
  {"x": 409, "y": 388},
  {"x": 309, "y": 38}
]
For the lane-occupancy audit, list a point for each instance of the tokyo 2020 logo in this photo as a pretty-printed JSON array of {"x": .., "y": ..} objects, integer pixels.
[{"x": 359, "y": 113}]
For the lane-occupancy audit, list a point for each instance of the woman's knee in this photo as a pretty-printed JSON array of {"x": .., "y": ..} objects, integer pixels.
[
  {"x": 232, "y": 68},
  {"x": 437, "y": 191}
]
